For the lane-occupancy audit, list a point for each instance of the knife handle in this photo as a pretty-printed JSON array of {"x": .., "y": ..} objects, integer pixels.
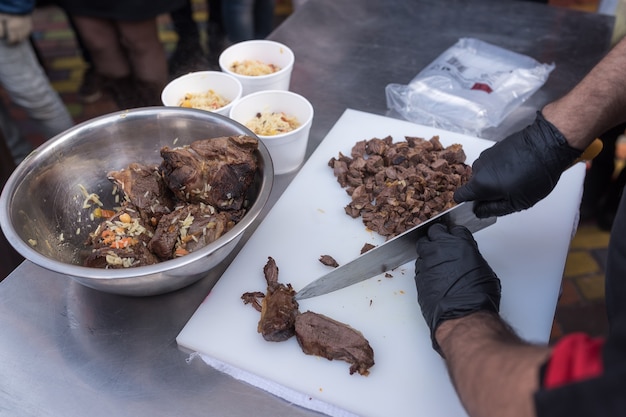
[{"x": 590, "y": 152}]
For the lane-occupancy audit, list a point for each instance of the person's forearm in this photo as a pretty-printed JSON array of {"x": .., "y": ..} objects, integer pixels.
[
  {"x": 494, "y": 372},
  {"x": 596, "y": 104}
]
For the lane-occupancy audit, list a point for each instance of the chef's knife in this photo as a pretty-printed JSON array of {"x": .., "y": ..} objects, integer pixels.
[{"x": 391, "y": 254}]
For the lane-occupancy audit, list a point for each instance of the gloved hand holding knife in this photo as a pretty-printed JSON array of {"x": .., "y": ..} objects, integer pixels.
[
  {"x": 453, "y": 279},
  {"x": 494, "y": 371},
  {"x": 517, "y": 172}
]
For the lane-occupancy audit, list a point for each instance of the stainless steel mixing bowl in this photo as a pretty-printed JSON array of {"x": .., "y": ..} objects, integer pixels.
[{"x": 41, "y": 206}]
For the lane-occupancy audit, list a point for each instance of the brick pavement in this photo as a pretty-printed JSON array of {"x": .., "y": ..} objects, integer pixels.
[{"x": 581, "y": 305}]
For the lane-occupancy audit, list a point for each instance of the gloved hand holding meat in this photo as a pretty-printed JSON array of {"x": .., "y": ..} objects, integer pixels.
[
  {"x": 453, "y": 279},
  {"x": 517, "y": 172}
]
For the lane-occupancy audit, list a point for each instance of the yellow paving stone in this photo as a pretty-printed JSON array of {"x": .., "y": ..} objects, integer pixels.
[
  {"x": 200, "y": 15},
  {"x": 591, "y": 287},
  {"x": 58, "y": 35},
  {"x": 66, "y": 86},
  {"x": 580, "y": 263},
  {"x": 70, "y": 62},
  {"x": 75, "y": 109},
  {"x": 76, "y": 75},
  {"x": 590, "y": 237},
  {"x": 168, "y": 36}
]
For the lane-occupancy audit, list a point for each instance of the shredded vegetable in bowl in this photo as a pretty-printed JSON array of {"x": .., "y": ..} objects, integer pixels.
[
  {"x": 208, "y": 100},
  {"x": 272, "y": 123},
  {"x": 253, "y": 67}
]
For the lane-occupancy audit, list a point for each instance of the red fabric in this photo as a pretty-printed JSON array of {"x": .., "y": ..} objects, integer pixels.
[{"x": 574, "y": 358}]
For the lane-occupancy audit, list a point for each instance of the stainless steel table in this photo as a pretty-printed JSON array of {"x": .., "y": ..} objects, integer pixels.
[{"x": 67, "y": 350}]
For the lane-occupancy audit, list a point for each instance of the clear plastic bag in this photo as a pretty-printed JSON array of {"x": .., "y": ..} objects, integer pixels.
[{"x": 471, "y": 86}]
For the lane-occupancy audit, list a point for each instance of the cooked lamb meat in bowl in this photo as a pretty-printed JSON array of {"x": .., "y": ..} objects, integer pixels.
[{"x": 81, "y": 178}]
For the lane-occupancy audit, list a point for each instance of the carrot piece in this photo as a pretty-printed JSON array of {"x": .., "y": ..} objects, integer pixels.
[
  {"x": 181, "y": 252},
  {"x": 108, "y": 236},
  {"x": 100, "y": 212},
  {"x": 107, "y": 213}
]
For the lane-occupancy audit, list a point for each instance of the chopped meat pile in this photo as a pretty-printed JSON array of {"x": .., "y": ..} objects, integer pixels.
[
  {"x": 316, "y": 334},
  {"x": 395, "y": 186},
  {"x": 193, "y": 197}
]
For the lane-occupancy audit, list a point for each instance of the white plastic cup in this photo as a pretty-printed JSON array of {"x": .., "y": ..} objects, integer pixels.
[
  {"x": 265, "y": 51},
  {"x": 287, "y": 149},
  {"x": 225, "y": 85}
]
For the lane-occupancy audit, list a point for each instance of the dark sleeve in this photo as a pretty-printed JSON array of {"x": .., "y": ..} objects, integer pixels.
[
  {"x": 17, "y": 7},
  {"x": 575, "y": 381},
  {"x": 602, "y": 396}
]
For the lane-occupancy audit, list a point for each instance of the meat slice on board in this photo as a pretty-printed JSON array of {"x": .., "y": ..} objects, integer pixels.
[{"x": 317, "y": 334}]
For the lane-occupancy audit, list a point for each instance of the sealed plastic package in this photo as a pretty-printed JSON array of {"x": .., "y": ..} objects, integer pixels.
[{"x": 471, "y": 86}]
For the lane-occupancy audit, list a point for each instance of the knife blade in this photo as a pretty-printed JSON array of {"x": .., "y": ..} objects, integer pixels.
[{"x": 391, "y": 254}]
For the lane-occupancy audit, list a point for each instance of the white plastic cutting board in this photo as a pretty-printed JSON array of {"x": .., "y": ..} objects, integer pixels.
[{"x": 527, "y": 250}]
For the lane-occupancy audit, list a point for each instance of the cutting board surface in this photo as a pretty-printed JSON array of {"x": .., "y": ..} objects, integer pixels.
[{"x": 527, "y": 250}]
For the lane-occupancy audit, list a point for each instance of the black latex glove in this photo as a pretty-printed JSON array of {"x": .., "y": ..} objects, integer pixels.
[
  {"x": 452, "y": 278},
  {"x": 517, "y": 172}
]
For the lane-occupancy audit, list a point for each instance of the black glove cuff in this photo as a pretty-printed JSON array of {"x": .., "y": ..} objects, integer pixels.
[
  {"x": 448, "y": 309},
  {"x": 566, "y": 154}
]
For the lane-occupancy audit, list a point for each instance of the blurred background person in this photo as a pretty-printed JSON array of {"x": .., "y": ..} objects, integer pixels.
[
  {"x": 247, "y": 19},
  {"x": 122, "y": 39},
  {"x": 298, "y": 3},
  {"x": 25, "y": 81},
  {"x": 190, "y": 55},
  {"x": 216, "y": 33},
  {"x": 604, "y": 182},
  {"x": 10, "y": 258},
  {"x": 90, "y": 89}
]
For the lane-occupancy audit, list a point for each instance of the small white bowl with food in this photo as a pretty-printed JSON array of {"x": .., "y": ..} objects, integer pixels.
[
  {"x": 259, "y": 65},
  {"x": 282, "y": 120},
  {"x": 213, "y": 91}
]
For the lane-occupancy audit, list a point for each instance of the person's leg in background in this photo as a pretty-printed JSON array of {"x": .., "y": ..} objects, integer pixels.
[
  {"x": 28, "y": 86},
  {"x": 298, "y": 3},
  {"x": 130, "y": 57},
  {"x": 101, "y": 40},
  {"x": 10, "y": 258},
  {"x": 216, "y": 34},
  {"x": 189, "y": 55},
  {"x": 147, "y": 57},
  {"x": 263, "y": 18},
  {"x": 17, "y": 146},
  {"x": 247, "y": 19},
  {"x": 238, "y": 17},
  {"x": 90, "y": 89}
]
